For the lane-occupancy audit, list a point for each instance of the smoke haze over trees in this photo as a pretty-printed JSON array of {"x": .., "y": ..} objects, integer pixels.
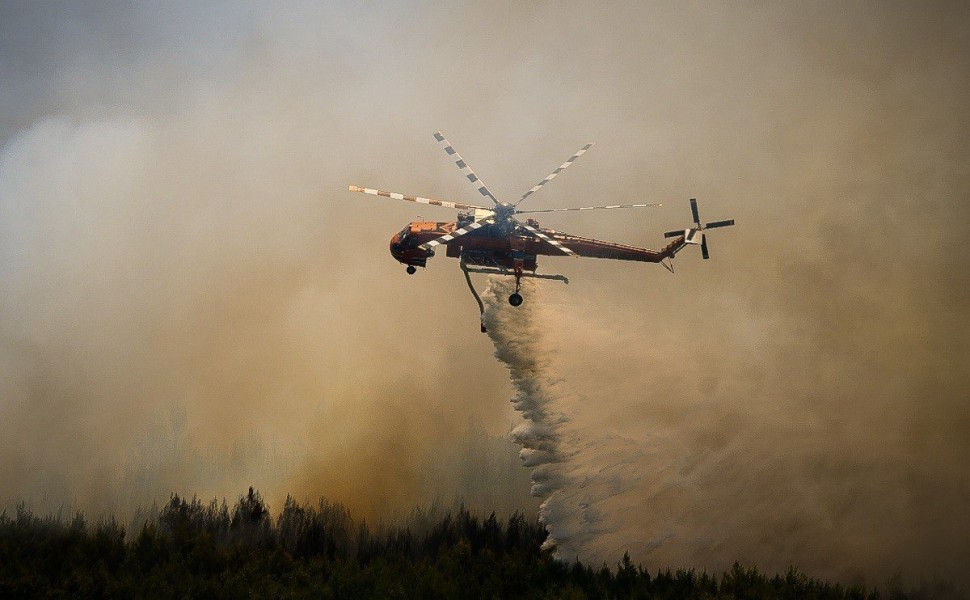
[
  {"x": 190, "y": 549},
  {"x": 190, "y": 300}
]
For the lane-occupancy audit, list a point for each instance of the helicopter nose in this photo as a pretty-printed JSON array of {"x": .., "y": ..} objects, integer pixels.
[{"x": 397, "y": 248}]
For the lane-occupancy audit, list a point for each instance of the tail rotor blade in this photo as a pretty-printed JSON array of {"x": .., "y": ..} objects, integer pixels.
[{"x": 695, "y": 235}]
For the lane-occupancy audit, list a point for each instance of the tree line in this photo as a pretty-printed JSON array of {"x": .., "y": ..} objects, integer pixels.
[{"x": 188, "y": 549}]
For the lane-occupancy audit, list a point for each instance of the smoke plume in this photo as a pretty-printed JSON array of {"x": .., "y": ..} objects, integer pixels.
[{"x": 191, "y": 301}]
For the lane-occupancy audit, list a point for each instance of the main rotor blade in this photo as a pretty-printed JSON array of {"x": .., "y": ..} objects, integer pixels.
[
  {"x": 717, "y": 224},
  {"x": 552, "y": 175},
  {"x": 465, "y": 169},
  {"x": 671, "y": 234},
  {"x": 704, "y": 251},
  {"x": 550, "y": 210},
  {"x": 457, "y": 233},
  {"x": 693, "y": 211},
  {"x": 548, "y": 239},
  {"x": 418, "y": 199}
]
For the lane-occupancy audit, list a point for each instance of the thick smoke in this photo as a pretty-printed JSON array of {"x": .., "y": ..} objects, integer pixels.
[
  {"x": 191, "y": 301},
  {"x": 187, "y": 302}
]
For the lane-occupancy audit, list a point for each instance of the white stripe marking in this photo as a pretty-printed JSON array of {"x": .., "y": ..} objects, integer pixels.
[
  {"x": 464, "y": 167},
  {"x": 450, "y": 236},
  {"x": 553, "y": 175},
  {"x": 418, "y": 199},
  {"x": 546, "y": 238}
]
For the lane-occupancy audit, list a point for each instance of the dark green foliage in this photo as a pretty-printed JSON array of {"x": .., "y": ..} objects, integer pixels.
[{"x": 207, "y": 551}]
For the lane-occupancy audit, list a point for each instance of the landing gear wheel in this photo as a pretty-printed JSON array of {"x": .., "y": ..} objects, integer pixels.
[
  {"x": 515, "y": 299},
  {"x": 411, "y": 270}
]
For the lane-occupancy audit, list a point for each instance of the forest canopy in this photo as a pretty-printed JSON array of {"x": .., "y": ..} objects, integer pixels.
[{"x": 188, "y": 548}]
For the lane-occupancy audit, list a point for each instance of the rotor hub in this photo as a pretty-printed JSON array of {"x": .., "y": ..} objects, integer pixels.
[{"x": 504, "y": 211}]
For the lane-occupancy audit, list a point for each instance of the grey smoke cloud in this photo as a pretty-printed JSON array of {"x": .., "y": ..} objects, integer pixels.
[{"x": 192, "y": 302}]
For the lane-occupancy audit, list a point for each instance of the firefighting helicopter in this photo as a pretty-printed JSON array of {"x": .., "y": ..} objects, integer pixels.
[{"x": 491, "y": 240}]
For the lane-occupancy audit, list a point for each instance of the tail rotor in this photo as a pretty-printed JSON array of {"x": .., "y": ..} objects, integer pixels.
[{"x": 695, "y": 235}]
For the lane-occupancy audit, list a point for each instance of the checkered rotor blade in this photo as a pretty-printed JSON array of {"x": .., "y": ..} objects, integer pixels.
[
  {"x": 545, "y": 238},
  {"x": 552, "y": 175},
  {"x": 457, "y": 233},
  {"x": 551, "y": 210},
  {"x": 465, "y": 169},
  {"x": 418, "y": 199}
]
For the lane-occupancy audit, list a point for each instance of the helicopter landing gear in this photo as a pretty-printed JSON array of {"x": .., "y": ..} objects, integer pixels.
[
  {"x": 515, "y": 299},
  {"x": 411, "y": 270}
]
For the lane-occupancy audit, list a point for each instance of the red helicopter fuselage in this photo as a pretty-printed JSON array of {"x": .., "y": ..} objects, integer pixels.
[
  {"x": 481, "y": 248},
  {"x": 490, "y": 247}
]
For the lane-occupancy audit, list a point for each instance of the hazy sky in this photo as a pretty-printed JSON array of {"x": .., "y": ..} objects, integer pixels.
[{"x": 192, "y": 301}]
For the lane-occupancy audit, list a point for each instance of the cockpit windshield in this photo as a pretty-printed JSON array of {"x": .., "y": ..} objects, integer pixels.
[{"x": 405, "y": 233}]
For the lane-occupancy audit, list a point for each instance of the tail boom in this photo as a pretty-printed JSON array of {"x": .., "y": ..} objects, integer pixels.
[{"x": 591, "y": 248}]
